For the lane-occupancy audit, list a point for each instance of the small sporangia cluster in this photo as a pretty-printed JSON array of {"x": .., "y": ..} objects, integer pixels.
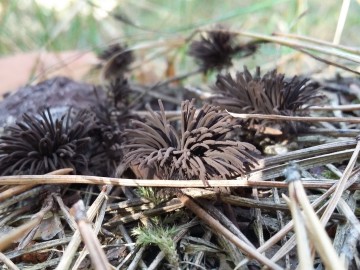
[
  {"x": 106, "y": 152},
  {"x": 201, "y": 150},
  {"x": 40, "y": 144},
  {"x": 216, "y": 48},
  {"x": 113, "y": 117},
  {"x": 118, "y": 58},
  {"x": 269, "y": 94}
]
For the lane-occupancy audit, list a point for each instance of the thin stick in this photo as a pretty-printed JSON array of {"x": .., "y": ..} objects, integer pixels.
[
  {"x": 341, "y": 186},
  {"x": 320, "y": 238},
  {"x": 94, "y": 180},
  {"x": 296, "y": 118},
  {"x": 303, "y": 246},
  {"x": 347, "y": 107},
  {"x": 20, "y": 189}
]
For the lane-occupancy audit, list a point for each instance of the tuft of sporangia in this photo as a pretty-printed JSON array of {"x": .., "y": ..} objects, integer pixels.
[
  {"x": 200, "y": 151},
  {"x": 271, "y": 93}
]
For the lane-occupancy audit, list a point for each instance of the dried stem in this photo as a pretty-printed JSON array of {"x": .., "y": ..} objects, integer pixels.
[
  {"x": 318, "y": 235},
  {"x": 24, "y": 229},
  {"x": 341, "y": 186},
  {"x": 20, "y": 189},
  {"x": 94, "y": 180},
  {"x": 344, "y": 108},
  {"x": 296, "y": 118},
  {"x": 303, "y": 246}
]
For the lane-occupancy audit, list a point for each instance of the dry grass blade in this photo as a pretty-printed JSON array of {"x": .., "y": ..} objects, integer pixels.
[
  {"x": 341, "y": 186},
  {"x": 326, "y": 61},
  {"x": 218, "y": 228},
  {"x": 97, "y": 255},
  {"x": 328, "y": 50},
  {"x": 351, "y": 133},
  {"x": 255, "y": 181},
  {"x": 319, "y": 237},
  {"x": 341, "y": 21},
  {"x": 303, "y": 246},
  {"x": 318, "y": 150},
  {"x": 347, "y": 211},
  {"x": 246, "y": 202},
  {"x": 26, "y": 228},
  {"x": 17, "y": 233},
  {"x": 47, "y": 206},
  {"x": 318, "y": 41},
  {"x": 344, "y": 108},
  {"x": 70, "y": 220},
  {"x": 222, "y": 218},
  {"x": 275, "y": 117}
]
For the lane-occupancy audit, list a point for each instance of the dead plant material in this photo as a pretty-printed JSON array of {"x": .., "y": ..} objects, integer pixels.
[
  {"x": 92, "y": 244},
  {"x": 218, "y": 228},
  {"x": 12, "y": 191},
  {"x": 26, "y": 230},
  {"x": 317, "y": 234},
  {"x": 201, "y": 151},
  {"x": 308, "y": 119},
  {"x": 72, "y": 247},
  {"x": 271, "y": 94}
]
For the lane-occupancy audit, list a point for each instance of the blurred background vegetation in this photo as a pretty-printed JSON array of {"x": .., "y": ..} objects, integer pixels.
[
  {"x": 83, "y": 24},
  {"x": 91, "y": 25}
]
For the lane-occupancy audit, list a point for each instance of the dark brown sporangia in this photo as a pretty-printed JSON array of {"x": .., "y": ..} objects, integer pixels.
[
  {"x": 200, "y": 151},
  {"x": 39, "y": 144},
  {"x": 269, "y": 94},
  {"x": 118, "y": 58},
  {"x": 113, "y": 117},
  {"x": 216, "y": 49}
]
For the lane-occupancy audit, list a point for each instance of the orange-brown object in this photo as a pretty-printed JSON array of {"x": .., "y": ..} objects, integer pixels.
[{"x": 16, "y": 70}]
